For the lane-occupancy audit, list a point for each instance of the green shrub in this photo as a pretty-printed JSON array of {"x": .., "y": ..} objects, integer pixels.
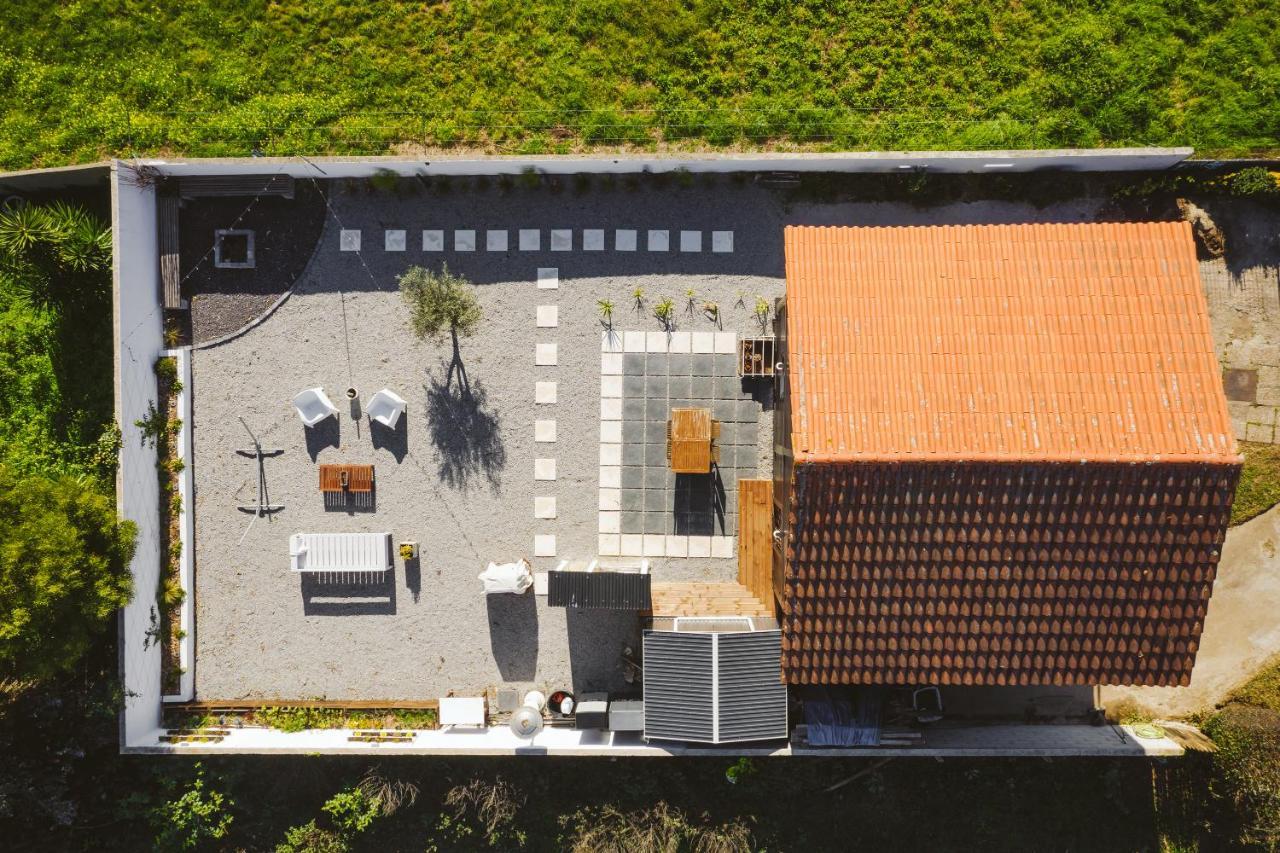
[
  {"x": 439, "y": 302},
  {"x": 352, "y": 811},
  {"x": 310, "y": 838},
  {"x": 194, "y": 818},
  {"x": 1247, "y": 772},
  {"x": 1259, "y": 486},
  {"x": 385, "y": 180},
  {"x": 606, "y": 829},
  {"x": 1254, "y": 182}
]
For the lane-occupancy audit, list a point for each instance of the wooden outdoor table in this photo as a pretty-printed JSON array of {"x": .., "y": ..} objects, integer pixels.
[
  {"x": 359, "y": 478},
  {"x": 690, "y": 441}
]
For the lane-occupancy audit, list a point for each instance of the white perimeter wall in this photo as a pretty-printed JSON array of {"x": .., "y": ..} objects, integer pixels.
[
  {"x": 139, "y": 320},
  {"x": 1100, "y": 159}
]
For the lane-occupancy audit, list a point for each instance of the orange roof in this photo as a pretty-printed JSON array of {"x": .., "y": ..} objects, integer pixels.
[{"x": 1046, "y": 342}]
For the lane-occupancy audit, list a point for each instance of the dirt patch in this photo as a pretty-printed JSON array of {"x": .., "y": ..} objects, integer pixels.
[{"x": 285, "y": 234}]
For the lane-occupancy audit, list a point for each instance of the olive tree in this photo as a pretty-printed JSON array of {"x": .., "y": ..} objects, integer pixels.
[{"x": 440, "y": 302}]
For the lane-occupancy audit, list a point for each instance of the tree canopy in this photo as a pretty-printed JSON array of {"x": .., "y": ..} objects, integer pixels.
[
  {"x": 439, "y": 302},
  {"x": 64, "y": 570}
]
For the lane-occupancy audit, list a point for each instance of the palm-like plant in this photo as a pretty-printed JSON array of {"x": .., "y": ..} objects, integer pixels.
[
  {"x": 606, "y": 312},
  {"x": 665, "y": 312},
  {"x": 23, "y": 228},
  {"x": 638, "y": 296}
]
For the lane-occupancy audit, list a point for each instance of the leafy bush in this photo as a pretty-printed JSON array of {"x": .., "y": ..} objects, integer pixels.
[
  {"x": 64, "y": 561},
  {"x": 195, "y": 817},
  {"x": 1254, "y": 182},
  {"x": 439, "y": 302},
  {"x": 310, "y": 838},
  {"x": 353, "y": 810},
  {"x": 1247, "y": 772}
]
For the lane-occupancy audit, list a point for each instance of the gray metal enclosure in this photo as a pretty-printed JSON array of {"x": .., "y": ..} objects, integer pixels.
[{"x": 714, "y": 687}]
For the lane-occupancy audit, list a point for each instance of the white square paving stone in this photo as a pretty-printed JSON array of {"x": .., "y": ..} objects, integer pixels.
[
  {"x": 561, "y": 239},
  {"x": 495, "y": 241},
  {"x": 659, "y": 241},
  {"x": 393, "y": 240},
  {"x": 655, "y": 545},
  {"x": 611, "y": 432},
  {"x": 544, "y": 506},
  {"x": 624, "y": 240},
  {"x": 349, "y": 240},
  {"x": 593, "y": 240},
  {"x": 611, "y": 409},
  {"x": 611, "y": 477},
  {"x": 464, "y": 240},
  {"x": 548, "y": 278},
  {"x": 607, "y": 544},
  {"x": 633, "y": 341},
  {"x": 548, "y": 316},
  {"x": 544, "y": 545},
  {"x": 610, "y": 522},
  {"x": 611, "y": 363},
  {"x": 611, "y": 499},
  {"x": 722, "y": 241},
  {"x": 632, "y": 545},
  {"x": 691, "y": 241},
  {"x": 699, "y": 546},
  {"x": 610, "y": 341},
  {"x": 610, "y": 454},
  {"x": 722, "y": 547},
  {"x": 704, "y": 342},
  {"x": 530, "y": 239},
  {"x": 677, "y": 546},
  {"x": 544, "y": 431},
  {"x": 680, "y": 342},
  {"x": 544, "y": 469},
  {"x": 544, "y": 393},
  {"x": 655, "y": 341},
  {"x": 610, "y": 386},
  {"x": 726, "y": 342},
  {"x": 433, "y": 241},
  {"x": 546, "y": 355}
]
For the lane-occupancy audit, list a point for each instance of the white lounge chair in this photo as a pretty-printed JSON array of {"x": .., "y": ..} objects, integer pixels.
[
  {"x": 313, "y": 406},
  {"x": 340, "y": 552},
  {"x": 385, "y": 407}
]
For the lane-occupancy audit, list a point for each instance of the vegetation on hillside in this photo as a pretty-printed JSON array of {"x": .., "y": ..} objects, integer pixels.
[
  {"x": 210, "y": 77},
  {"x": 1259, "y": 487}
]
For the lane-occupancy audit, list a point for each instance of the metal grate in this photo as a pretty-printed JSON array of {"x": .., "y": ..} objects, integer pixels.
[{"x": 600, "y": 590}]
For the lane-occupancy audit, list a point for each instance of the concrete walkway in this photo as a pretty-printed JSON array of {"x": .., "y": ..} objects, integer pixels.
[{"x": 1242, "y": 629}]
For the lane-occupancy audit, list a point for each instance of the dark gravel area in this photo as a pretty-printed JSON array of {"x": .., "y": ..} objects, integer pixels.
[{"x": 285, "y": 235}]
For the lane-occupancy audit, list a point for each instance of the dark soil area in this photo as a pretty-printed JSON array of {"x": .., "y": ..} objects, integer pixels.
[{"x": 285, "y": 235}]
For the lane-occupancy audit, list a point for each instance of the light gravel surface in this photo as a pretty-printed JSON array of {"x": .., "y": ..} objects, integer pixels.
[{"x": 457, "y": 479}]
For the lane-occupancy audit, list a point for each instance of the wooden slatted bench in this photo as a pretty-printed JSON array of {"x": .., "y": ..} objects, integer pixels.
[
  {"x": 210, "y": 186},
  {"x": 359, "y": 478},
  {"x": 167, "y": 236}
]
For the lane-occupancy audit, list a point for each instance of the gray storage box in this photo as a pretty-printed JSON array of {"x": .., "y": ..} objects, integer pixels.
[{"x": 626, "y": 715}]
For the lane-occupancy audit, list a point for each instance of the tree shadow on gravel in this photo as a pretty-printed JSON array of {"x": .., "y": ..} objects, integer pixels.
[{"x": 465, "y": 432}]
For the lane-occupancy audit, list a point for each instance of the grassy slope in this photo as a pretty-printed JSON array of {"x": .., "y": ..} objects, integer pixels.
[
  {"x": 1259, "y": 487},
  {"x": 81, "y": 80}
]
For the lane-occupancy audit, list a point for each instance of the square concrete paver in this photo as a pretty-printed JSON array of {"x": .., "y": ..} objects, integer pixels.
[
  {"x": 544, "y": 506},
  {"x": 544, "y": 545},
  {"x": 691, "y": 241},
  {"x": 548, "y": 278},
  {"x": 393, "y": 240},
  {"x": 545, "y": 393},
  {"x": 544, "y": 431},
  {"x": 495, "y": 241},
  {"x": 349, "y": 240},
  {"x": 624, "y": 240},
  {"x": 530, "y": 240},
  {"x": 546, "y": 355},
  {"x": 433, "y": 241},
  {"x": 593, "y": 240},
  {"x": 548, "y": 316},
  {"x": 464, "y": 240},
  {"x": 544, "y": 469},
  {"x": 659, "y": 241},
  {"x": 562, "y": 239},
  {"x": 722, "y": 241}
]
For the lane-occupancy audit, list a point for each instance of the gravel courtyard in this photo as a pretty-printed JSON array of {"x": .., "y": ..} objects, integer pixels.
[{"x": 517, "y": 467}]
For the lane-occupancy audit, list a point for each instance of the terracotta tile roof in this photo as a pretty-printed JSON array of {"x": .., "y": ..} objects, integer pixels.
[
  {"x": 1031, "y": 341},
  {"x": 1000, "y": 573}
]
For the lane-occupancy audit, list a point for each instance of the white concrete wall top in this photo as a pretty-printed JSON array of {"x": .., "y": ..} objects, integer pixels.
[
  {"x": 1075, "y": 159},
  {"x": 138, "y": 321}
]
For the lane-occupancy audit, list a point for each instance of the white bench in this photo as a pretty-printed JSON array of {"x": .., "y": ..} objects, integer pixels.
[{"x": 340, "y": 552}]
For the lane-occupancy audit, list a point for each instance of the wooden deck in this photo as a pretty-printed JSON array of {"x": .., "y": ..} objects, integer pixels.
[
  {"x": 167, "y": 235},
  {"x": 755, "y": 537},
  {"x": 699, "y": 598}
]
